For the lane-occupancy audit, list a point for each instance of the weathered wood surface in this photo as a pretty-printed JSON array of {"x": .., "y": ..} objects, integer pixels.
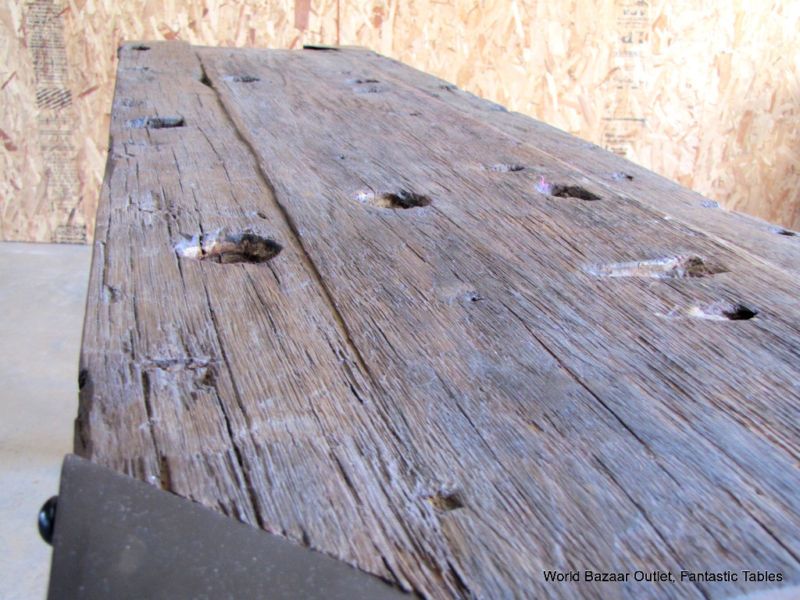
[{"x": 454, "y": 396}]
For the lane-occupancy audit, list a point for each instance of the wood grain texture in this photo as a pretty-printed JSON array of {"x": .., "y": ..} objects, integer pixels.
[{"x": 456, "y": 373}]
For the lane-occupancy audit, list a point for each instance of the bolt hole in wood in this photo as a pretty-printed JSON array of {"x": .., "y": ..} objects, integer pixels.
[
  {"x": 140, "y": 48},
  {"x": 361, "y": 81},
  {"x": 226, "y": 247},
  {"x": 669, "y": 267},
  {"x": 369, "y": 88},
  {"x": 320, "y": 48},
  {"x": 206, "y": 377},
  {"x": 564, "y": 191},
  {"x": 394, "y": 200},
  {"x": 784, "y": 232},
  {"x": 446, "y": 501},
  {"x": 242, "y": 78},
  {"x": 620, "y": 176},
  {"x": 83, "y": 377},
  {"x": 505, "y": 168},
  {"x": 155, "y": 123},
  {"x": 723, "y": 311}
]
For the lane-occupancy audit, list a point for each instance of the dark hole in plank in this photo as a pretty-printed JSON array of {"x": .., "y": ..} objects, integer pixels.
[
  {"x": 243, "y": 78},
  {"x": 505, "y": 168},
  {"x": 369, "y": 88},
  {"x": 156, "y": 122},
  {"x": 321, "y": 48},
  {"x": 446, "y": 501},
  {"x": 83, "y": 377},
  {"x": 226, "y": 248},
  {"x": 784, "y": 232},
  {"x": 723, "y": 311},
  {"x": 394, "y": 200},
  {"x": 739, "y": 312},
  {"x": 620, "y": 176},
  {"x": 572, "y": 191},
  {"x": 140, "y": 48}
]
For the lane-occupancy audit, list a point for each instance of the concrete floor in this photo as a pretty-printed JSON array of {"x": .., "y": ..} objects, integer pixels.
[{"x": 42, "y": 298}]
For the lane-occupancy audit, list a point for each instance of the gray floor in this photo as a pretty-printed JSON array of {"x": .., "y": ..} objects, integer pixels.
[{"x": 42, "y": 297}]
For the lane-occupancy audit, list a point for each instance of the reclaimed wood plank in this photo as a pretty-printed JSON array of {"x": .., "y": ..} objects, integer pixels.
[
  {"x": 605, "y": 170},
  {"x": 328, "y": 303}
]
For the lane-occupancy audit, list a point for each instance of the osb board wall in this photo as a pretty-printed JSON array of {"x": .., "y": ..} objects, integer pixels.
[{"x": 706, "y": 93}]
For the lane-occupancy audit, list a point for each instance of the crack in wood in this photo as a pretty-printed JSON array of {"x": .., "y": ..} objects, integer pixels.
[
  {"x": 243, "y": 468},
  {"x": 641, "y": 510},
  {"x": 305, "y": 257}
]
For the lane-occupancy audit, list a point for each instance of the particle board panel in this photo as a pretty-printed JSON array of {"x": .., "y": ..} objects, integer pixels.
[
  {"x": 347, "y": 303},
  {"x": 705, "y": 94}
]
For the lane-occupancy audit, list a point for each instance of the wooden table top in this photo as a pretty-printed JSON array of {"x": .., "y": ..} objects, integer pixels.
[{"x": 349, "y": 303}]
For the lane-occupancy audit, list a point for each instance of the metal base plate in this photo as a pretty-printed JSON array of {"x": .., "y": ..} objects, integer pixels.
[{"x": 116, "y": 537}]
